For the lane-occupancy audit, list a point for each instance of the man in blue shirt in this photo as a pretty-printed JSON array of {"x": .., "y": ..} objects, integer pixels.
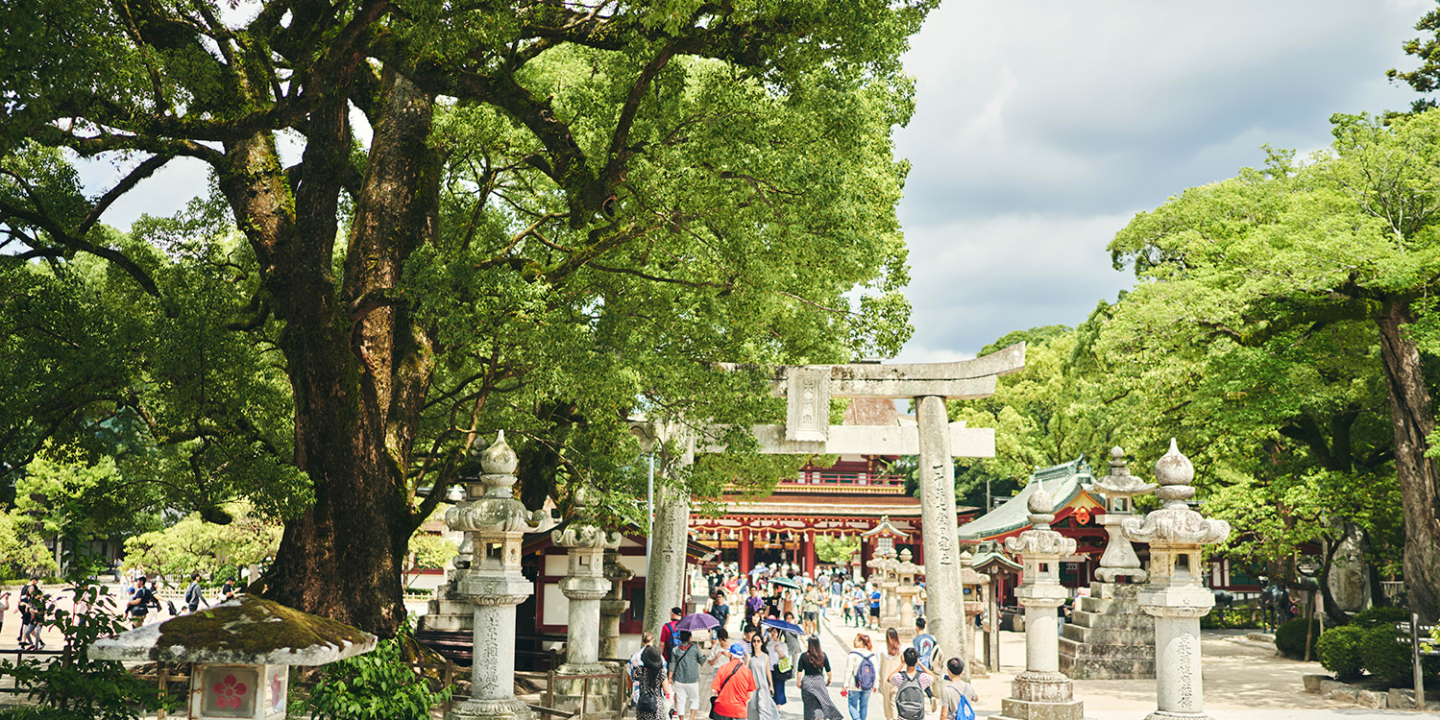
[{"x": 875, "y": 608}]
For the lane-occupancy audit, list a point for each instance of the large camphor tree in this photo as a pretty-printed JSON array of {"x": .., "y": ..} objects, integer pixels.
[
  {"x": 1302, "y": 254},
  {"x": 456, "y": 217}
]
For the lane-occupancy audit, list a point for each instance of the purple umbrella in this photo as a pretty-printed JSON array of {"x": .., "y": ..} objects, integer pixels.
[{"x": 697, "y": 621}]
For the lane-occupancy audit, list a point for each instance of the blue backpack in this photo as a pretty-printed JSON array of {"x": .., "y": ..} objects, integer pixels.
[{"x": 865, "y": 676}]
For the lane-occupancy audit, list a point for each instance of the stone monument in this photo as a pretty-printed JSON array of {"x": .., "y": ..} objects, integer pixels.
[
  {"x": 614, "y": 605},
  {"x": 495, "y": 523},
  {"x": 1175, "y": 595},
  {"x": 1042, "y": 692},
  {"x": 585, "y": 585},
  {"x": 1109, "y": 637}
]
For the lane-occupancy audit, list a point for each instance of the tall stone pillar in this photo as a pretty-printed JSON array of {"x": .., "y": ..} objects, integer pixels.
[
  {"x": 494, "y": 522},
  {"x": 1176, "y": 595},
  {"x": 1042, "y": 691},
  {"x": 945, "y": 600},
  {"x": 670, "y": 534},
  {"x": 613, "y": 606},
  {"x": 585, "y": 585}
]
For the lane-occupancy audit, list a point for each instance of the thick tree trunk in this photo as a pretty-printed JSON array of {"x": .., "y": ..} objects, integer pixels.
[
  {"x": 359, "y": 370},
  {"x": 1413, "y": 421}
]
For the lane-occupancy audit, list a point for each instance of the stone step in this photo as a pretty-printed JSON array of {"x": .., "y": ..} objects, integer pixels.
[
  {"x": 1108, "y": 636},
  {"x": 1095, "y": 620},
  {"x": 1108, "y": 668},
  {"x": 1070, "y": 648},
  {"x": 448, "y": 607}
]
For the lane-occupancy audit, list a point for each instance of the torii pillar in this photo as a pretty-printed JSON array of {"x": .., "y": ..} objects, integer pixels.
[{"x": 808, "y": 390}]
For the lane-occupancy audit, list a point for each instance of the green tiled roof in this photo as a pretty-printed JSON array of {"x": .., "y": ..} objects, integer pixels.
[{"x": 1063, "y": 482}]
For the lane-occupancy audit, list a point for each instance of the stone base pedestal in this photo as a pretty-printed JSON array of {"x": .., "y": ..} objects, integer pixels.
[
  {"x": 1109, "y": 636},
  {"x": 446, "y": 613},
  {"x": 1041, "y": 696},
  {"x": 501, "y": 709},
  {"x": 1162, "y": 715},
  {"x": 1012, "y": 709},
  {"x": 570, "y": 692}
]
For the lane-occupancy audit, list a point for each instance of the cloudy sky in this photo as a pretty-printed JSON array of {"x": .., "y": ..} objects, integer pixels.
[{"x": 1042, "y": 127}]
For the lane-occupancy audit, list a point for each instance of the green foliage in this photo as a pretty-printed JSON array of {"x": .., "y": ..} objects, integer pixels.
[
  {"x": 1391, "y": 660},
  {"x": 1379, "y": 616},
  {"x": 1290, "y": 638},
  {"x": 1228, "y": 619},
  {"x": 193, "y": 545},
  {"x": 376, "y": 686},
  {"x": 73, "y": 686},
  {"x": 1339, "y": 651},
  {"x": 835, "y": 549}
]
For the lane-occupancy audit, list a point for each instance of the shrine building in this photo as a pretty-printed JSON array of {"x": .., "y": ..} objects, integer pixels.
[{"x": 859, "y": 496}]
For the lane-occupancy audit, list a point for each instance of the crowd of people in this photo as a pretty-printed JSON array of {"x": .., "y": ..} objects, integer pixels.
[{"x": 748, "y": 679}]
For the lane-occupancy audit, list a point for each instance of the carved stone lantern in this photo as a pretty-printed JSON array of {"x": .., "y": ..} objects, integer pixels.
[
  {"x": 1176, "y": 594},
  {"x": 1042, "y": 691},
  {"x": 977, "y": 591},
  {"x": 907, "y": 592},
  {"x": 585, "y": 585},
  {"x": 1119, "y": 489},
  {"x": 242, "y": 650},
  {"x": 614, "y": 605},
  {"x": 496, "y": 523}
]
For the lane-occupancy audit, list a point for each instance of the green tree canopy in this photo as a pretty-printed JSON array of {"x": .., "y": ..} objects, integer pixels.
[{"x": 452, "y": 219}]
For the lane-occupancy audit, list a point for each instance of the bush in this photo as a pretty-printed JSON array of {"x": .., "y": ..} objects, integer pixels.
[
  {"x": 1229, "y": 618},
  {"x": 1385, "y": 657},
  {"x": 1290, "y": 638},
  {"x": 1377, "y": 616},
  {"x": 379, "y": 685},
  {"x": 1339, "y": 651}
]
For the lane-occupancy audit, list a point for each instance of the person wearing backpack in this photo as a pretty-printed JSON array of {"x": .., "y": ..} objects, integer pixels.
[
  {"x": 926, "y": 645},
  {"x": 958, "y": 697},
  {"x": 911, "y": 685},
  {"x": 194, "y": 595},
  {"x": 685, "y": 677},
  {"x": 669, "y": 633},
  {"x": 861, "y": 671}
]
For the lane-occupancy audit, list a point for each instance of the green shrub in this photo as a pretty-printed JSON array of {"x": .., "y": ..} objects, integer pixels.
[
  {"x": 1290, "y": 638},
  {"x": 1377, "y": 616},
  {"x": 379, "y": 685},
  {"x": 1385, "y": 657},
  {"x": 1339, "y": 651},
  {"x": 1233, "y": 618}
]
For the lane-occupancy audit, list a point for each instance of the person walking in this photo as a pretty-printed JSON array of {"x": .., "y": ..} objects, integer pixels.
[
  {"x": 959, "y": 697},
  {"x": 890, "y": 663},
  {"x": 651, "y": 686},
  {"x": 874, "y": 607},
  {"x": 669, "y": 637},
  {"x": 720, "y": 610},
  {"x": 194, "y": 595},
  {"x": 4, "y": 608},
  {"x": 30, "y": 630},
  {"x": 762, "y": 703},
  {"x": 782, "y": 663},
  {"x": 912, "y": 686},
  {"x": 733, "y": 686},
  {"x": 140, "y": 601},
  {"x": 927, "y": 646},
  {"x": 862, "y": 669},
  {"x": 715, "y": 655},
  {"x": 685, "y": 676},
  {"x": 815, "y": 671}
]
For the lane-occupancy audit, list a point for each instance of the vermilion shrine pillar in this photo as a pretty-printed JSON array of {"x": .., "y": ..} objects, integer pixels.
[
  {"x": 809, "y": 567},
  {"x": 747, "y": 551}
]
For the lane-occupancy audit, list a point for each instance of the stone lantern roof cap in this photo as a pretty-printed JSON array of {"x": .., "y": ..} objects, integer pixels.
[
  {"x": 248, "y": 630},
  {"x": 885, "y": 528},
  {"x": 1120, "y": 483}
]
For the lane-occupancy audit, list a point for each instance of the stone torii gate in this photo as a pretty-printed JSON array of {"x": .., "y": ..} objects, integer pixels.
[{"x": 807, "y": 430}]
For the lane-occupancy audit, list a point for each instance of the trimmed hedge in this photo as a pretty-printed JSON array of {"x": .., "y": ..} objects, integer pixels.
[
  {"x": 1339, "y": 651},
  {"x": 1290, "y": 638},
  {"x": 1385, "y": 657},
  {"x": 1377, "y": 616}
]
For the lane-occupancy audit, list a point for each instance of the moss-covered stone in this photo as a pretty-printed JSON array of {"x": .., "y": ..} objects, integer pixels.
[{"x": 256, "y": 630}]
